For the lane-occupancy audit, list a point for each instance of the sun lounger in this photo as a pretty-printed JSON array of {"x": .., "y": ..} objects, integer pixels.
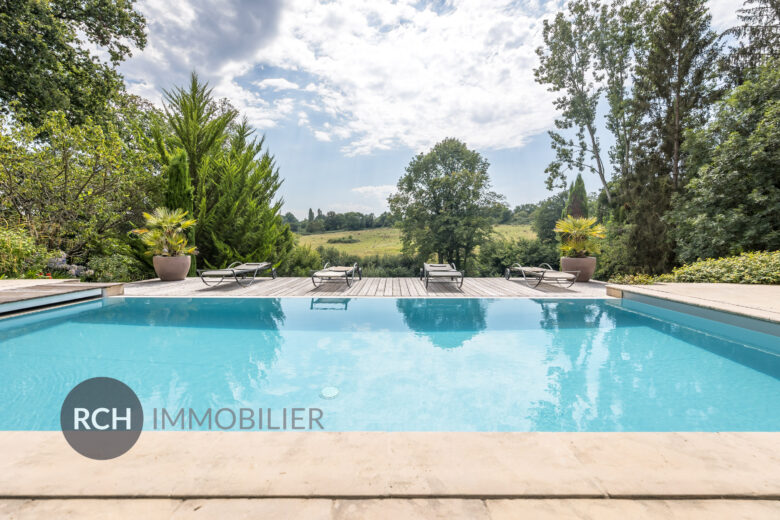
[
  {"x": 441, "y": 272},
  {"x": 543, "y": 273},
  {"x": 331, "y": 273},
  {"x": 243, "y": 274}
]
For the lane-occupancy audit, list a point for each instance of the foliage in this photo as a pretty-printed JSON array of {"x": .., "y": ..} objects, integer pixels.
[
  {"x": 547, "y": 214},
  {"x": 198, "y": 126},
  {"x": 77, "y": 186},
  {"x": 443, "y": 203},
  {"x": 758, "y": 38},
  {"x": 20, "y": 255},
  {"x": 372, "y": 265},
  {"x": 239, "y": 218},
  {"x": 633, "y": 279},
  {"x": 577, "y": 203},
  {"x": 675, "y": 82},
  {"x": 301, "y": 261},
  {"x": 178, "y": 193},
  {"x": 732, "y": 204},
  {"x": 747, "y": 268},
  {"x": 234, "y": 179},
  {"x": 567, "y": 65},
  {"x": 165, "y": 232},
  {"x": 349, "y": 239},
  {"x": 497, "y": 254},
  {"x": 48, "y": 65},
  {"x": 117, "y": 263},
  {"x": 622, "y": 44},
  {"x": 580, "y": 236}
]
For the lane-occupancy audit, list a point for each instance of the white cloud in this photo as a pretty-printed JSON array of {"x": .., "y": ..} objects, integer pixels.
[
  {"x": 724, "y": 13},
  {"x": 390, "y": 75},
  {"x": 382, "y": 191},
  {"x": 385, "y": 74},
  {"x": 277, "y": 84},
  {"x": 377, "y": 75}
]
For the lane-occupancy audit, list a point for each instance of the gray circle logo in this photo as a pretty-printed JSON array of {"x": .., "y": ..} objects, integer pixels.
[{"x": 101, "y": 418}]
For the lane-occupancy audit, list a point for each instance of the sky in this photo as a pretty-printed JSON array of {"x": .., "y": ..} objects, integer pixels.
[{"x": 347, "y": 92}]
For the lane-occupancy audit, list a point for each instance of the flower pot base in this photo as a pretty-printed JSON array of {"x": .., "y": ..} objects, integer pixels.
[
  {"x": 171, "y": 268},
  {"x": 586, "y": 266}
]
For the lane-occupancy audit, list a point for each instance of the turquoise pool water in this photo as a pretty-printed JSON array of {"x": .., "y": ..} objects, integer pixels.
[{"x": 402, "y": 365}]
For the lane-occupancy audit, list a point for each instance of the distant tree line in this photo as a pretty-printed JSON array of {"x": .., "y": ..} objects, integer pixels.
[{"x": 333, "y": 221}]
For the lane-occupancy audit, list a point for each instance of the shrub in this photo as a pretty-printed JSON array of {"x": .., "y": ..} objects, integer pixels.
[
  {"x": 633, "y": 279},
  {"x": 20, "y": 256},
  {"x": 753, "y": 268},
  {"x": 373, "y": 265},
  {"x": 343, "y": 240},
  {"x": 747, "y": 268},
  {"x": 497, "y": 255},
  {"x": 300, "y": 262},
  {"x": 117, "y": 262}
]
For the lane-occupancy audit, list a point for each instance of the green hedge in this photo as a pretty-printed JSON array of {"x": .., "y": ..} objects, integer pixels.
[{"x": 749, "y": 268}]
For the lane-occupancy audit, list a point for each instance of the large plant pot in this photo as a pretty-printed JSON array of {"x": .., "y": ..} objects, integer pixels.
[
  {"x": 171, "y": 268},
  {"x": 586, "y": 266}
]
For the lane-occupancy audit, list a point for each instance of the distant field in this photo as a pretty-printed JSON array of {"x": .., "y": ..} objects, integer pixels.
[{"x": 382, "y": 241}]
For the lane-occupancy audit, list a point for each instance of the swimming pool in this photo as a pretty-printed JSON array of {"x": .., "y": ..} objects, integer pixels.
[{"x": 402, "y": 364}]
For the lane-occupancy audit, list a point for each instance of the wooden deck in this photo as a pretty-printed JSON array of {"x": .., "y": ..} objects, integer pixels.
[{"x": 368, "y": 287}]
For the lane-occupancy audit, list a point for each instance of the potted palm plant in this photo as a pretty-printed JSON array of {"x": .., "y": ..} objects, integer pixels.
[
  {"x": 579, "y": 242},
  {"x": 164, "y": 236}
]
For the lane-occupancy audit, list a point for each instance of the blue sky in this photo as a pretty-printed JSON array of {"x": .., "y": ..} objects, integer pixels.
[{"x": 347, "y": 92}]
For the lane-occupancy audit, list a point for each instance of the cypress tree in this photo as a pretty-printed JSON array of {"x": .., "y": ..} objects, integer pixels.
[
  {"x": 577, "y": 203},
  {"x": 178, "y": 194}
]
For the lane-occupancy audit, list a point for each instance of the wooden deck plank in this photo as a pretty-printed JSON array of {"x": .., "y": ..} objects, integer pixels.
[{"x": 367, "y": 287}]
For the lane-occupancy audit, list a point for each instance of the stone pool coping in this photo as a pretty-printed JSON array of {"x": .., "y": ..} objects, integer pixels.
[
  {"x": 381, "y": 465},
  {"x": 761, "y": 302}
]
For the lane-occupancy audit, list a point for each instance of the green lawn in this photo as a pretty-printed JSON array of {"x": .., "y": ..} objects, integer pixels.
[{"x": 382, "y": 241}]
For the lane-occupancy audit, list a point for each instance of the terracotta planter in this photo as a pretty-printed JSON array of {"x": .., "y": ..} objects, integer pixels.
[
  {"x": 586, "y": 266},
  {"x": 170, "y": 268}
]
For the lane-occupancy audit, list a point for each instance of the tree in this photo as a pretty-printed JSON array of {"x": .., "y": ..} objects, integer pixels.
[
  {"x": 291, "y": 221},
  {"x": 621, "y": 44},
  {"x": 198, "y": 126},
  {"x": 675, "y": 83},
  {"x": 178, "y": 194},
  {"x": 758, "y": 38},
  {"x": 732, "y": 204},
  {"x": 78, "y": 187},
  {"x": 443, "y": 203},
  {"x": 546, "y": 215},
  {"x": 46, "y": 57},
  {"x": 239, "y": 216},
  {"x": 567, "y": 63},
  {"x": 577, "y": 202}
]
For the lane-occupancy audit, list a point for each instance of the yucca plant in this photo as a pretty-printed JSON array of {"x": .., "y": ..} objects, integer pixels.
[
  {"x": 580, "y": 236},
  {"x": 164, "y": 232}
]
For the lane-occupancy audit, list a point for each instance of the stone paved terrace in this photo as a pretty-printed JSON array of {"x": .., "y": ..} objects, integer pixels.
[{"x": 368, "y": 287}]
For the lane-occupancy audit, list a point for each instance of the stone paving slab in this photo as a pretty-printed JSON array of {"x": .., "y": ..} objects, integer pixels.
[
  {"x": 407, "y": 509},
  {"x": 405, "y": 465},
  {"x": 755, "y": 301}
]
